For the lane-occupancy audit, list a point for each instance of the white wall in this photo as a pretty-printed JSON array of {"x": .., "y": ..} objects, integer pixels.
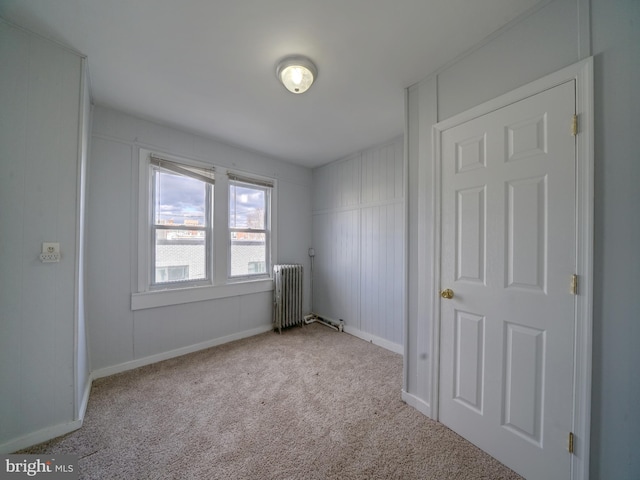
[
  {"x": 615, "y": 405},
  {"x": 121, "y": 338},
  {"x": 557, "y": 35},
  {"x": 358, "y": 237},
  {"x": 40, "y": 110}
]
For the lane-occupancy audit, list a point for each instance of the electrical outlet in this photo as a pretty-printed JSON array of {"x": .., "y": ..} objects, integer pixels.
[{"x": 50, "y": 252}]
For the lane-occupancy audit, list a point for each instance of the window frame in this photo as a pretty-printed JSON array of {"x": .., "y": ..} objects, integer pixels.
[
  {"x": 219, "y": 284},
  {"x": 267, "y": 188},
  {"x": 154, "y": 169}
]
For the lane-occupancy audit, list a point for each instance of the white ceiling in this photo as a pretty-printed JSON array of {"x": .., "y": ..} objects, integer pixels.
[{"x": 208, "y": 66}]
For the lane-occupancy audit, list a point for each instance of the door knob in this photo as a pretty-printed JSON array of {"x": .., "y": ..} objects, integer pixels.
[{"x": 448, "y": 294}]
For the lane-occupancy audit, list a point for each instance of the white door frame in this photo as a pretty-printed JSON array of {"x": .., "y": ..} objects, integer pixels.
[{"x": 582, "y": 73}]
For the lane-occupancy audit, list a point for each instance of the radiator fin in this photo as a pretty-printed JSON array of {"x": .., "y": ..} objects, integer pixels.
[{"x": 287, "y": 296}]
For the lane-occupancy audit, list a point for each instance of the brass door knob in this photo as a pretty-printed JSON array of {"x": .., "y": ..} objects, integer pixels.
[{"x": 448, "y": 294}]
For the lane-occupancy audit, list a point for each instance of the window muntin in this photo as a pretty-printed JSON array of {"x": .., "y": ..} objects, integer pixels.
[
  {"x": 181, "y": 227},
  {"x": 249, "y": 233}
]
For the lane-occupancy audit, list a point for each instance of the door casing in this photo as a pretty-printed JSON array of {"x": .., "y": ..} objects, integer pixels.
[{"x": 582, "y": 73}]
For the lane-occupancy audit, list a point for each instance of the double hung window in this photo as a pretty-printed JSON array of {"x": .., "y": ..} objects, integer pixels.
[
  {"x": 249, "y": 239},
  {"x": 201, "y": 235},
  {"x": 181, "y": 227}
]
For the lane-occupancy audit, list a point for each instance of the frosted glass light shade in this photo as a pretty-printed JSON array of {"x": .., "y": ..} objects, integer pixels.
[{"x": 296, "y": 73}]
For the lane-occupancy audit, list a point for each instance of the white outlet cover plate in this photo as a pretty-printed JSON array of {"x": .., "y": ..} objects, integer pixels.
[{"x": 50, "y": 247}]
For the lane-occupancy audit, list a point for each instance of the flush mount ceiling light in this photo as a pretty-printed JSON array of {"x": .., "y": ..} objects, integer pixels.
[{"x": 296, "y": 73}]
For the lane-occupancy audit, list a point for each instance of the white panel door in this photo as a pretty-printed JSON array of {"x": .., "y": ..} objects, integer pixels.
[{"x": 508, "y": 256}]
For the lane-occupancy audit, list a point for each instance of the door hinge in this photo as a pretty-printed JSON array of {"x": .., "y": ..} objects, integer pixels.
[
  {"x": 574, "y": 284},
  {"x": 571, "y": 442},
  {"x": 574, "y": 125}
]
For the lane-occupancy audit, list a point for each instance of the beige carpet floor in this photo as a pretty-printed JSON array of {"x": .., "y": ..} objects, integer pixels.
[{"x": 310, "y": 403}]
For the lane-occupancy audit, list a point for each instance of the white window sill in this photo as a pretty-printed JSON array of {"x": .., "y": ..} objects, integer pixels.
[{"x": 163, "y": 298}]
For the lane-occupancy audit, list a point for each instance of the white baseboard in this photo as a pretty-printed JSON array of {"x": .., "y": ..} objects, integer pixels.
[
  {"x": 40, "y": 436},
  {"x": 49, "y": 433},
  {"x": 62, "y": 429},
  {"x": 381, "y": 342},
  {"x": 141, "y": 362},
  {"x": 417, "y": 403}
]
